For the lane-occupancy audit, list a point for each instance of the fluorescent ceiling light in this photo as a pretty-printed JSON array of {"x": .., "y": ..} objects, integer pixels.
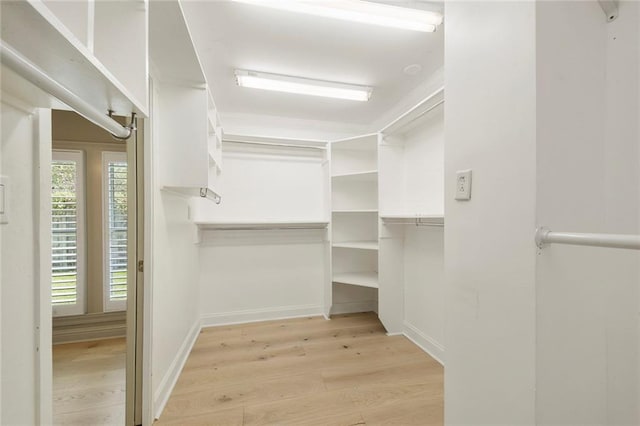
[
  {"x": 359, "y": 11},
  {"x": 303, "y": 86}
]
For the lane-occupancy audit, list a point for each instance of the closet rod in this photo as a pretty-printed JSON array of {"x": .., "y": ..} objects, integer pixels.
[
  {"x": 276, "y": 144},
  {"x": 398, "y": 122},
  {"x": 35, "y": 75},
  {"x": 428, "y": 110},
  {"x": 546, "y": 236}
]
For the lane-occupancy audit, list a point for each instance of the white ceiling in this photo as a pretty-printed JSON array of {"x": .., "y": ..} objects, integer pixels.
[{"x": 231, "y": 36}]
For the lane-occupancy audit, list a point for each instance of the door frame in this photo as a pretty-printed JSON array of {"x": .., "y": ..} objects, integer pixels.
[{"x": 138, "y": 336}]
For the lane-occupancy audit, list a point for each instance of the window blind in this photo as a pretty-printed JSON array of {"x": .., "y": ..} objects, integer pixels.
[
  {"x": 117, "y": 230},
  {"x": 66, "y": 291}
]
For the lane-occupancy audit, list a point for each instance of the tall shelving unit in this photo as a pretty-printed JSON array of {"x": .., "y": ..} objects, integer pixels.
[
  {"x": 191, "y": 153},
  {"x": 354, "y": 231},
  {"x": 411, "y": 227}
]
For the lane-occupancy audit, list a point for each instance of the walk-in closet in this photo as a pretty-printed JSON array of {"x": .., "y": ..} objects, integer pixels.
[{"x": 331, "y": 212}]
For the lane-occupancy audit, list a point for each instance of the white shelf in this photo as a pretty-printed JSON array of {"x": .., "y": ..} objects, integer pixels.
[
  {"x": 362, "y": 279},
  {"x": 363, "y": 245},
  {"x": 171, "y": 47},
  {"x": 254, "y": 225},
  {"x": 34, "y": 31},
  {"x": 367, "y": 175},
  {"x": 407, "y": 219},
  {"x": 356, "y": 211}
]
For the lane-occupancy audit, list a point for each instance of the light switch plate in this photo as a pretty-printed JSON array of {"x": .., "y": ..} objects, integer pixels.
[{"x": 463, "y": 185}]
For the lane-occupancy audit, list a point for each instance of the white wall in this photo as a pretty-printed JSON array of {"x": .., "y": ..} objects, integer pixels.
[
  {"x": 19, "y": 280},
  {"x": 424, "y": 288},
  {"x": 588, "y": 181},
  {"x": 268, "y": 183},
  {"x": 553, "y": 141},
  {"x": 256, "y": 275},
  {"x": 424, "y": 246},
  {"x": 284, "y": 127},
  {"x": 259, "y": 275},
  {"x": 173, "y": 265},
  {"x": 490, "y": 127}
]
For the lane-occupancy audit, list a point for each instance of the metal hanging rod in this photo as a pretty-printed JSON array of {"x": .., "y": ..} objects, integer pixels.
[
  {"x": 275, "y": 144},
  {"x": 623, "y": 241},
  {"x": 35, "y": 75},
  {"x": 610, "y": 9},
  {"x": 428, "y": 110},
  {"x": 204, "y": 193},
  {"x": 400, "y": 121},
  {"x": 417, "y": 221}
]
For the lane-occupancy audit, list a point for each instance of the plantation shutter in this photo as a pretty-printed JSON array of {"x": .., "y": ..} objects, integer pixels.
[
  {"x": 67, "y": 256},
  {"x": 116, "y": 232}
]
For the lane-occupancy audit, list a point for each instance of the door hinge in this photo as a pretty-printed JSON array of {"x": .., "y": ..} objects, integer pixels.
[{"x": 140, "y": 265}]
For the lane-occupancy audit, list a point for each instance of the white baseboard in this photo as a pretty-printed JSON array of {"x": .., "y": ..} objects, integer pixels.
[
  {"x": 169, "y": 380},
  {"x": 354, "y": 307},
  {"x": 427, "y": 344},
  {"x": 256, "y": 315}
]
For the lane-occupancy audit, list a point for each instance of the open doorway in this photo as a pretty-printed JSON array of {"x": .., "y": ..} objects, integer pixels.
[{"x": 93, "y": 273}]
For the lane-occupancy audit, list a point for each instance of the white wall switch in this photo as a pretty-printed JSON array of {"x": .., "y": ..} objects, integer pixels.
[
  {"x": 463, "y": 185},
  {"x": 4, "y": 194}
]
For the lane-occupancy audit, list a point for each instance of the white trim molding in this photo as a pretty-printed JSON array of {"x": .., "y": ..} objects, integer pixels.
[
  {"x": 257, "y": 315},
  {"x": 169, "y": 380},
  {"x": 427, "y": 344}
]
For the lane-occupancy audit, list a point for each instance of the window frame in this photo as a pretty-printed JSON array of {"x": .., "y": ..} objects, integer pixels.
[
  {"x": 107, "y": 157},
  {"x": 78, "y": 308}
]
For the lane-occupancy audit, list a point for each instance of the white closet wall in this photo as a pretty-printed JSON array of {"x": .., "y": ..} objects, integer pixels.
[
  {"x": 268, "y": 183},
  {"x": 20, "y": 266},
  {"x": 411, "y": 226},
  {"x": 588, "y": 174},
  {"x": 254, "y": 272},
  {"x": 184, "y": 147}
]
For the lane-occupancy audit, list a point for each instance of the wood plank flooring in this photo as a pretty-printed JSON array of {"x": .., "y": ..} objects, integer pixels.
[
  {"x": 307, "y": 371},
  {"x": 89, "y": 383}
]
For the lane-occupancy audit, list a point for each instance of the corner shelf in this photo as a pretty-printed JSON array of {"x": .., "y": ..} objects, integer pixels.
[
  {"x": 367, "y": 175},
  {"x": 363, "y": 279},
  {"x": 362, "y": 245}
]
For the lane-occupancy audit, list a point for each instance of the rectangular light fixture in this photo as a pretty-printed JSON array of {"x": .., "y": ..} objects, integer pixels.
[
  {"x": 303, "y": 86},
  {"x": 365, "y": 12}
]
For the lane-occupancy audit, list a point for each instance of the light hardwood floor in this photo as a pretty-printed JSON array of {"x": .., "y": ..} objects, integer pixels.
[
  {"x": 307, "y": 371},
  {"x": 89, "y": 383}
]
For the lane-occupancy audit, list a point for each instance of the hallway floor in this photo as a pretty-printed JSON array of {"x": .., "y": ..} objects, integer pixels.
[
  {"x": 89, "y": 383},
  {"x": 307, "y": 371}
]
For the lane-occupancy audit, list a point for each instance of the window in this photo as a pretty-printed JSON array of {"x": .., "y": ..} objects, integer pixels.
[
  {"x": 114, "y": 171},
  {"x": 67, "y": 240}
]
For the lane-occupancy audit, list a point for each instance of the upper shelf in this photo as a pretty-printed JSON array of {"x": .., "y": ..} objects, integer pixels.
[
  {"x": 254, "y": 225},
  {"x": 171, "y": 47},
  {"x": 94, "y": 73}
]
